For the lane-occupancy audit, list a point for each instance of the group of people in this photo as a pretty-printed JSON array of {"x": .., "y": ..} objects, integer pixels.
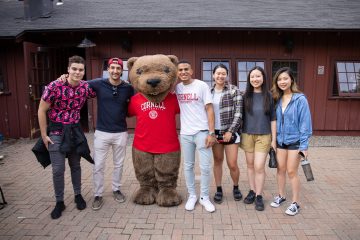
[
  {"x": 223, "y": 118},
  {"x": 213, "y": 122},
  {"x": 61, "y": 102}
]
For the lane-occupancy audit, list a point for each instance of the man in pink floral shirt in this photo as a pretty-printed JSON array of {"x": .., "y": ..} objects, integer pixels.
[{"x": 64, "y": 138}]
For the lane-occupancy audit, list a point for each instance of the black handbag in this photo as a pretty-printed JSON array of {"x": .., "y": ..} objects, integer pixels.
[
  {"x": 272, "y": 159},
  {"x": 3, "y": 203},
  {"x": 220, "y": 138}
]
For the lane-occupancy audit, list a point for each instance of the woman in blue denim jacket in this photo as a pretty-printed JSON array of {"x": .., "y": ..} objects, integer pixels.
[{"x": 293, "y": 133}]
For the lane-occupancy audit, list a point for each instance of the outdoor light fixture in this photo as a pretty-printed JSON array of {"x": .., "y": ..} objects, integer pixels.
[
  {"x": 86, "y": 43},
  {"x": 126, "y": 44},
  {"x": 59, "y": 2},
  {"x": 288, "y": 43}
]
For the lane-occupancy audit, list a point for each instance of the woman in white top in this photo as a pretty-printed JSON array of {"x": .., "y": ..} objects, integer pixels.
[{"x": 227, "y": 103}]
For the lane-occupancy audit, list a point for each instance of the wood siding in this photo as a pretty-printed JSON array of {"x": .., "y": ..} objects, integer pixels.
[
  {"x": 330, "y": 115},
  {"x": 14, "y": 104}
]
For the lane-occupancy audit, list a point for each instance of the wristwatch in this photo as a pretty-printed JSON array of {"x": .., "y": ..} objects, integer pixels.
[{"x": 212, "y": 134}]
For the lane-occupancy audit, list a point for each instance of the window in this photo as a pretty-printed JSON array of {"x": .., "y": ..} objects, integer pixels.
[
  {"x": 125, "y": 73},
  {"x": 2, "y": 81},
  {"x": 243, "y": 68},
  {"x": 207, "y": 69},
  {"x": 293, "y": 65},
  {"x": 347, "y": 78}
]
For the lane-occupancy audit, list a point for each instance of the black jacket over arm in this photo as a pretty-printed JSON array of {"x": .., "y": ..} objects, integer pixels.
[{"x": 73, "y": 139}]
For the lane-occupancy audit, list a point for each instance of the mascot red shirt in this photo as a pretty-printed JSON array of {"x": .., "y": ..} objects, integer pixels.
[{"x": 154, "y": 124}]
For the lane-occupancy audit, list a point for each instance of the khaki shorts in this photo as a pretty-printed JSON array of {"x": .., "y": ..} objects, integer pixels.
[{"x": 255, "y": 142}]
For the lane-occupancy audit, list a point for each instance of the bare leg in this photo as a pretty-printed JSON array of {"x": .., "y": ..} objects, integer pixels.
[
  {"x": 259, "y": 166},
  {"x": 281, "y": 155},
  {"x": 293, "y": 161},
  {"x": 231, "y": 152},
  {"x": 250, "y": 169}
]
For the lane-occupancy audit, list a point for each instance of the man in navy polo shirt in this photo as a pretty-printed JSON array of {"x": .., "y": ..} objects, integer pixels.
[{"x": 113, "y": 97}]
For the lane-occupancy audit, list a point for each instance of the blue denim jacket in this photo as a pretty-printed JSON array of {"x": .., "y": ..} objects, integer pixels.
[{"x": 294, "y": 125}]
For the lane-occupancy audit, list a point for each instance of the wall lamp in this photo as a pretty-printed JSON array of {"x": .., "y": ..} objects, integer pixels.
[
  {"x": 288, "y": 43},
  {"x": 86, "y": 43},
  {"x": 59, "y": 3}
]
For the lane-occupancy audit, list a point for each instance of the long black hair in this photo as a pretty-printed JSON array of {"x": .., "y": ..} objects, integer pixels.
[
  {"x": 277, "y": 93},
  {"x": 220, "y": 65},
  {"x": 249, "y": 93}
]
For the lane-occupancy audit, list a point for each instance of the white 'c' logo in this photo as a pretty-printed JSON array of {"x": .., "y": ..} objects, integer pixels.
[{"x": 153, "y": 114}]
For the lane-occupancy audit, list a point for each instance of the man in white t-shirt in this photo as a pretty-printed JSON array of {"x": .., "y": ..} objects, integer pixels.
[{"x": 197, "y": 133}]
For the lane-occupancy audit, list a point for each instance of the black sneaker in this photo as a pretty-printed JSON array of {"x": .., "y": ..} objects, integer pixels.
[
  {"x": 259, "y": 203},
  {"x": 59, "y": 208},
  {"x": 250, "y": 198},
  {"x": 218, "y": 198},
  {"x": 80, "y": 202},
  {"x": 237, "y": 194}
]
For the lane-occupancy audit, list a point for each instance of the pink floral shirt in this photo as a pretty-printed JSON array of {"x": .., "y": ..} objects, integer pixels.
[{"x": 66, "y": 101}]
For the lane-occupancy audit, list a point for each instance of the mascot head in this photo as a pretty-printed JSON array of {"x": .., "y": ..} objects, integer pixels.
[{"x": 153, "y": 75}]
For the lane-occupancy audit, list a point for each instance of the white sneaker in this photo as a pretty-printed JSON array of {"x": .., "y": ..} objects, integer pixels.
[
  {"x": 278, "y": 200},
  {"x": 293, "y": 209},
  {"x": 191, "y": 202},
  {"x": 207, "y": 204}
]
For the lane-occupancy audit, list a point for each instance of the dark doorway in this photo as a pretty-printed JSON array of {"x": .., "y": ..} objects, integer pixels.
[{"x": 43, "y": 65}]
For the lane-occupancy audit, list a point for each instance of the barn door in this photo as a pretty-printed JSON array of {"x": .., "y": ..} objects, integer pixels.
[{"x": 37, "y": 67}]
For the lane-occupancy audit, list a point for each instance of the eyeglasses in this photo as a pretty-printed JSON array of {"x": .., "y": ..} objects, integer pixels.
[{"x": 115, "y": 92}]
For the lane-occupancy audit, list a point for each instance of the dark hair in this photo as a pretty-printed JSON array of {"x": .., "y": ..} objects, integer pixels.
[
  {"x": 221, "y": 66},
  {"x": 76, "y": 59},
  {"x": 249, "y": 93},
  {"x": 276, "y": 91},
  {"x": 184, "y": 61}
]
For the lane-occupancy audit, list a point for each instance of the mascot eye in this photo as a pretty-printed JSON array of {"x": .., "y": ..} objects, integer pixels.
[
  {"x": 139, "y": 71},
  {"x": 166, "y": 69}
]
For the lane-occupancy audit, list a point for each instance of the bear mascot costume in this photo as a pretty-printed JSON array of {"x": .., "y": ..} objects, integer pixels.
[{"x": 156, "y": 147}]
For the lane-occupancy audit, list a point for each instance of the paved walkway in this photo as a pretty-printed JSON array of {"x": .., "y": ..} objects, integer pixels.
[{"x": 330, "y": 204}]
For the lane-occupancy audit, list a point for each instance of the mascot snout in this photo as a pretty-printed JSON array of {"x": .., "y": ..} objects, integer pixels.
[{"x": 153, "y": 82}]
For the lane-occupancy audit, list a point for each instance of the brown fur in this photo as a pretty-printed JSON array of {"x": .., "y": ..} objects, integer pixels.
[
  {"x": 153, "y": 67},
  {"x": 144, "y": 171},
  {"x": 156, "y": 173}
]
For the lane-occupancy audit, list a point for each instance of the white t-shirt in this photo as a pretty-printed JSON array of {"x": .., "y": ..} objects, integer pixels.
[
  {"x": 192, "y": 100},
  {"x": 216, "y": 106}
]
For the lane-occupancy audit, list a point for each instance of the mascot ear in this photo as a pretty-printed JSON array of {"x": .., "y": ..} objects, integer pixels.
[
  {"x": 173, "y": 59},
  {"x": 130, "y": 62}
]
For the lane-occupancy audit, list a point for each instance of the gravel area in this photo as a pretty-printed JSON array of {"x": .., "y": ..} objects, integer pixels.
[{"x": 335, "y": 141}]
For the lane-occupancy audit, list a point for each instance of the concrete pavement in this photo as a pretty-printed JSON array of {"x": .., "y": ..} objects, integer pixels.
[{"x": 330, "y": 205}]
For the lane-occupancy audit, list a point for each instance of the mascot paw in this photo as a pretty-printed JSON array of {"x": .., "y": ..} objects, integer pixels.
[
  {"x": 145, "y": 196},
  {"x": 168, "y": 197}
]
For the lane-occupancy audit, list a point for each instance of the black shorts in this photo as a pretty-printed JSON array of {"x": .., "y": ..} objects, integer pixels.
[
  {"x": 291, "y": 146},
  {"x": 220, "y": 139}
]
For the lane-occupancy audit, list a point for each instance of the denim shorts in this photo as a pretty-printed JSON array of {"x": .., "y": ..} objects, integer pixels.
[{"x": 291, "y": 146}]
